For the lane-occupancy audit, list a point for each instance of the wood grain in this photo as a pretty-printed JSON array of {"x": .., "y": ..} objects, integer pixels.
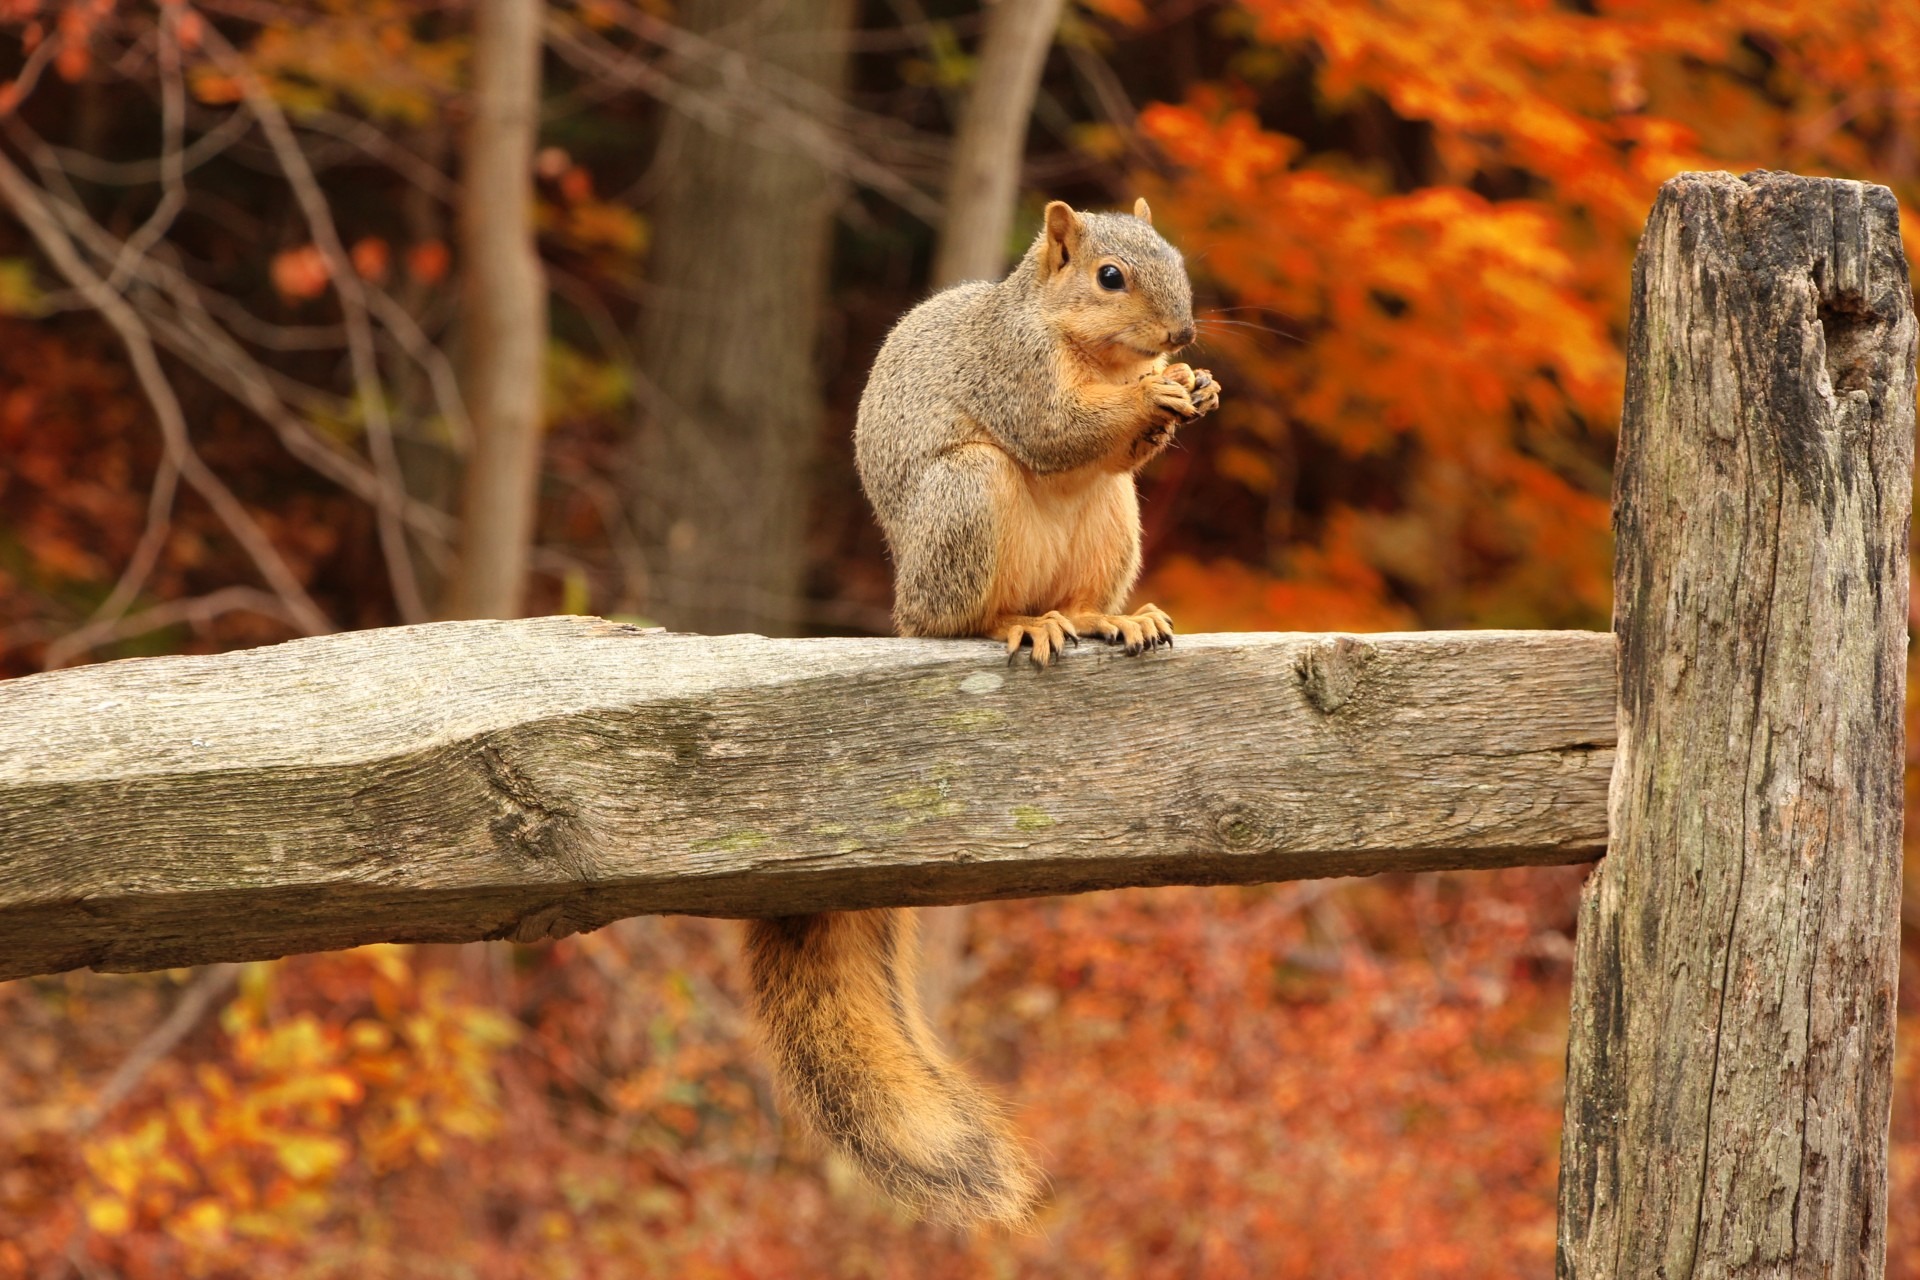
[
  {"x": 531, "y": 779},
  {"x": 1730, "y": 1069}
]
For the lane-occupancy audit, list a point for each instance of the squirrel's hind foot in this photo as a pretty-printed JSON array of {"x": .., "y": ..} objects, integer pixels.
[
  {"x": 1049, "y": 634},
  {"x": 1145, "y": 628}
]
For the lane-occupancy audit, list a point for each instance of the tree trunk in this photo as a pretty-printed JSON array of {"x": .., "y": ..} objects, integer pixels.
[
  {"x": 505, "y": 315},
  {"x": 1730, "y": 1066},
  {"x": 990, "y": 143},
  {"x": 737, "y": 285}
]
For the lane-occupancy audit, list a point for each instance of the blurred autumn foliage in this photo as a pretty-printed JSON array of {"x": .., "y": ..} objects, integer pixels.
[{"x": 1410, "y": 223}]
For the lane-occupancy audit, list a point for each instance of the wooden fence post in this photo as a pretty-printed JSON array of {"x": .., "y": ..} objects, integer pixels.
[{"x": 1730, "y": 1066}]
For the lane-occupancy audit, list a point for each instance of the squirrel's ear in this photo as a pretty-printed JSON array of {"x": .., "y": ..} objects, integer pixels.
[
  {"x": 1141, "y": 211},
  {"x": 1063, "y": 234}
]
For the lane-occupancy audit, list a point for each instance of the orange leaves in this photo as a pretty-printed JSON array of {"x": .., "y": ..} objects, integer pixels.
[
  {"x": 1453, "y": 300},
  {"x": 1321, "y": 590},
  {"x": 191, "y": 28},
  {"x": 582, "y": 222},
  {"x": 1283, "y": 1082},
  {"x": 1436, "y": 327},
  {"x": 1128, "y": 11},
  {"x": 75, "y": 24},
  {"x": 375, "y": 56},
  {"x": 1235, "y": 151}
]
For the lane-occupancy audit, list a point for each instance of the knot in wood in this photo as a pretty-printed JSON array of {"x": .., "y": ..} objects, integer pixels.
[
  {"x": 527, "y": 824},
  {"x": 1330, "y": 670},
  {"x": 549, "y": 922},
  {"x": 1241, "y": 828}
]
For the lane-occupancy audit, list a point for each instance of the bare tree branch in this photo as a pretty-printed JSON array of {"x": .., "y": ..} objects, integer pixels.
[
  {"x": 31, "y": 208},
  {"x": 146, "y": 554},
  {"x": 133, "y": 173},
  {"x": 196, "y": 611},
  {"x": 173, "y": 174},
  {"x": 741, "y": 107},
  {"x": 353, "y": 305},
  {"x": 207, "y": 989},
  {"x": 36, "y": 65},
  {"x": 372, "y": 142},
  {"x": 188, "y": 329}
]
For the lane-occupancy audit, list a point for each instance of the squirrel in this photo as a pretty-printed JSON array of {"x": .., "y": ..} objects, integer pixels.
[{"x": 997, "y": 439}]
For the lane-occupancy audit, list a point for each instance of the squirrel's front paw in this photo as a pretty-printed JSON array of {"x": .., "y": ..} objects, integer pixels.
[
  {"x": 1184, "y": 391},
  {"x": 1050, "y": 633},
  {"x": 1145, "y": 628},
  {"x": 1205, "y": 392},
  {"x": 1169, "y": 391}
]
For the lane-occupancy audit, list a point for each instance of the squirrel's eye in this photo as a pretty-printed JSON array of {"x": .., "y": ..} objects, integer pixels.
[{"x": 1110, "y": 277}]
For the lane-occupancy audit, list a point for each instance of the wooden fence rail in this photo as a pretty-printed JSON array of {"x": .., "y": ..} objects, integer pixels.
[
  {"x": 530, "y": 779},
  {"x": 1730, "y": 1064}
]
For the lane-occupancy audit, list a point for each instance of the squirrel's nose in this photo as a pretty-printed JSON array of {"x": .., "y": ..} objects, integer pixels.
[{"x": 1180, "y": 337}]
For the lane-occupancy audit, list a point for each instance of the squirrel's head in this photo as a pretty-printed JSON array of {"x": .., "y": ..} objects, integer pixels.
[{"x": 1112, "y": 284}]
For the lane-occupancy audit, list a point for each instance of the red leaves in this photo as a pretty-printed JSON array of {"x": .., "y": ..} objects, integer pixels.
[
  {"x": 300, "y": 274},
  {"x": 371, "y": 258},
  {"x": 427, "y": 262}
]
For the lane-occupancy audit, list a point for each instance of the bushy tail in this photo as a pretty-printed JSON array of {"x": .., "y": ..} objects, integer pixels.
[{"x": 836, "y": 997}]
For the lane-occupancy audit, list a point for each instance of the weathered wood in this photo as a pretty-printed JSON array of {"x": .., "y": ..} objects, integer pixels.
[
  {"x": 1729, "y": 1073},
  {"x": 531, "y": 779}
]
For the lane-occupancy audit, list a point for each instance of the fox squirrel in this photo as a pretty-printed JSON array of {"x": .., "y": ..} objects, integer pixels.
[{"x": 997, "y": 439}]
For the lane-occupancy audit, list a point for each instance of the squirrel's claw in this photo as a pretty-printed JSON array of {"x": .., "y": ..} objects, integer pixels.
[
  {"x": 1154, "y": 620},
  {"x": 1048, "y": 635}
]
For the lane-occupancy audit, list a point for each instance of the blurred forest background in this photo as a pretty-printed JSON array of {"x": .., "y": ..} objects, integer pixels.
[{"x": 320, "y": 314}]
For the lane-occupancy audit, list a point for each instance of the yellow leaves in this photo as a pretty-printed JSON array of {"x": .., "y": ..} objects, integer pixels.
[
  {"x": 602, "y": 224},
  {"x": 305, "y": 1098},
  {"x": 310, "y": 1157},
  {"x": 203, "y": 1223},
  {"x": 123, "y": 1162},
  {"x": 108, "y": 1215},
  {"x": 20, "y": 294},
  {"x": 579, "y": 386}
]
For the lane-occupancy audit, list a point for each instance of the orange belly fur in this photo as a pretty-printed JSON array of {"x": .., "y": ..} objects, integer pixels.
[{"x": 1064, "y": 540}]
